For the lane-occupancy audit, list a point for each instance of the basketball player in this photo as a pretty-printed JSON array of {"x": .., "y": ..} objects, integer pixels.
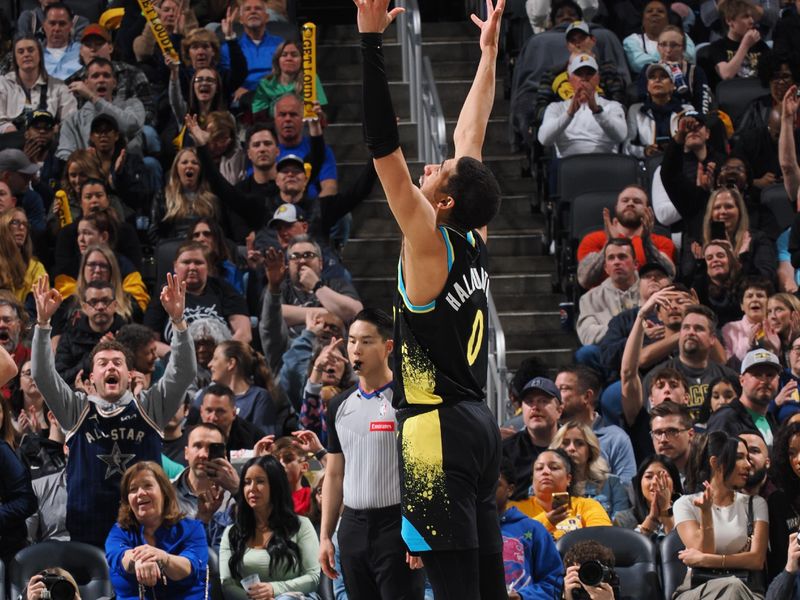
[
  {"x": 109, "y": 429},
  {"x": 449, "y": 441}
]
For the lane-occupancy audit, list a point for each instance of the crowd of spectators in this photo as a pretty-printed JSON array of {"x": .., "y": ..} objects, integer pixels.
[{"x": 176, "y": 386}]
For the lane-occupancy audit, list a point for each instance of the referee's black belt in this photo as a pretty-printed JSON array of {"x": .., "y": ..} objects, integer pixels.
[{"x": 374, "y": 513}]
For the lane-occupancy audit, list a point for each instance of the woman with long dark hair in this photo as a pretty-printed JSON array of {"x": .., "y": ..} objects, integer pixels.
[
  {"x": 716, "y": 278},
  {"x": 208, "y": 232},
  {"x": 720, "y": 527},
  {"x": 784, "y": 504},
  {"x": 656, "y": 486},
  {"x": 268, "y": 547}
]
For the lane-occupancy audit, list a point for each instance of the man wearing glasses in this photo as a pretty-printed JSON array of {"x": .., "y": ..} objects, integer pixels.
[
  {"x": 672, "y": 431},
  {"x": 98, "y": 306},
  {"x": 304, "y": 290}
]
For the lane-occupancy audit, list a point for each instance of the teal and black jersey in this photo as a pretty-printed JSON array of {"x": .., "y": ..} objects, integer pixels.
[{"x": 441, "y": 348}]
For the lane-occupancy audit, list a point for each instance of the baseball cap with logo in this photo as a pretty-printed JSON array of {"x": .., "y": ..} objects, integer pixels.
[
  {"x": 542, "y": 384},
  {"x": 578, "y": 26},
  {"x": 580, "y": 61},
  {"x": 759, "y": 356},
  {"x": 287, "y": 213},
  {"x": 44, "y": 116}
]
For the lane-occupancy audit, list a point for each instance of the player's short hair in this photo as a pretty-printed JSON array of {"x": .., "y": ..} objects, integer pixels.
[{"x": 476, "y": 193}]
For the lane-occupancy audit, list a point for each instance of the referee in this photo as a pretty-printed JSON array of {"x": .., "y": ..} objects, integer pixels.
[{"x": 362, "y": 472}]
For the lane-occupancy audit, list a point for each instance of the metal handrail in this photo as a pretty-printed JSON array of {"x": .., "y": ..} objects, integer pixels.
[{"x": 426, "y": 111}]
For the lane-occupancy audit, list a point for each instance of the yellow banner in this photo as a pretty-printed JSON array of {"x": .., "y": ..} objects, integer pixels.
[
  {"x": 64, "y": 213},
  {"x": 309, "y": 70},
  {"x": 159, "y": 31}
]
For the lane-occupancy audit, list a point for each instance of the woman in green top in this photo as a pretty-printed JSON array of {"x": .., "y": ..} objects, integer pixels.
[
  {"x": 269, "y": 547},
  {"x": 286, "y": 78}
]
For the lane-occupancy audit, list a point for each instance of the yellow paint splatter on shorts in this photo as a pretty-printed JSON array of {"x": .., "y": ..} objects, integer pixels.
[
  {"x": 419, "y": 377},
  {"x": 424, "y": 480}
]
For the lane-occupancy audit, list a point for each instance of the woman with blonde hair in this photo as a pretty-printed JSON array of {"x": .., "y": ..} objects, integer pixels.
[
  {"x": 224, "y": 147},
  {"x": 19, "y": 269},
  {"x": 783, "y": 320},
  {"x": 755, "y": 251},
  {"x": 187, "y": 196},
  {"x": 592, "y": 477}
]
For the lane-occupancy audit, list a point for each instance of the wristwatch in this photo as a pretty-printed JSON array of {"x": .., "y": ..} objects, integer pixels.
[{"x": 317, "y": 285}]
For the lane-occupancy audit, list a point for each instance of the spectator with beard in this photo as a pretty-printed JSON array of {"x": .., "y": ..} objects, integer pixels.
[
  {"x": 759, "y": 482},
  {"x": 580, "y": 388},
  {"x": 99, "y": 319},
  {"x": 143, "y": 345},
  {"x": 760, "y": 370},
  {"x": 700, "y": 354},
  {"x": 633, "y": 219}
]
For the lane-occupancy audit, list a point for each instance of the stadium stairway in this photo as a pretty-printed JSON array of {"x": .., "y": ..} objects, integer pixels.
[{"x": 521, "y": 269}]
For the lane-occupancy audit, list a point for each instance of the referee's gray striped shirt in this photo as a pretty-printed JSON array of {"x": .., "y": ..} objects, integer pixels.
[{"x": 363, "y": 427}]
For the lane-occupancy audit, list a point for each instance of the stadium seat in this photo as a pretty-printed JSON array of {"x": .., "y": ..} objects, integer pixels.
[
  {"x": 735, "y": 95},
  {"x": 214, "y": 582},
  {"x": 673, "y": 571},
  {"x": 325, "y": 589},
  {"x": 86, "y": 563},
  {"x": 774, "y": 197},
  {"x": 586, "y": 213},
  {"x": 635, "y": 556}
]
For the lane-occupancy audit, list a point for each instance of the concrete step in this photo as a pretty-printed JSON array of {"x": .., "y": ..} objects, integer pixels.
[
  {"x": 438, "y": 51},
  {"x": 554, "y": 358},
  {"x": 466, "y": 31},
  {"x": 543, "y": 320},
  {"x": 347, "y": 138},
  {"x": 386, "y": 266},
  {"x": 504, "y": 244},
  {"x": 506, "y": 169}
]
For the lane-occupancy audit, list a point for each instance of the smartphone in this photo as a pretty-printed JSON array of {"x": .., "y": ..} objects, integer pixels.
[
  {"x": 216, "y": 450},
  {"x": 718, "y": 231},
  {"x": 560, "y": 499}
]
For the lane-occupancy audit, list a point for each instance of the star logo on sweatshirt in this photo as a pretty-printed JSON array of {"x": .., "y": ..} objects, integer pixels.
[{"x": 117, "y": 461}]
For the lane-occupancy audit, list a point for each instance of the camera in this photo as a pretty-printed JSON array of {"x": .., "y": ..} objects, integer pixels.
[
  {"x": 593, "y": 573},
  {"x": 58, "y": 587}
]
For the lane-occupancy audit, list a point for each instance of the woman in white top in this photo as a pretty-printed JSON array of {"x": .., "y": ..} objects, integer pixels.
[
  {"x": 28, "y": 87},
  {"x": 713, "y": 523}
]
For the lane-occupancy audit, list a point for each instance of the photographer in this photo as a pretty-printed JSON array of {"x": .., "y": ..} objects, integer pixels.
[
  {"x": 54, "y": 583},
  {"x": 590, "y": 572}
]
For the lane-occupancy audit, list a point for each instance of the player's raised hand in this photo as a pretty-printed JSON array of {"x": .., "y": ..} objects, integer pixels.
[
  {"x": 490, "y": 28},
  {"x": 374, "y": 16}
]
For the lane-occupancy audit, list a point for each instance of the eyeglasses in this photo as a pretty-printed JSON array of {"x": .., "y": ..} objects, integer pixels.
[
  {"x": 670, "y": 45},
  {"x": 18, "y": 223},
  {"x": 668, "y": 433},
  {"x": 205, "y": 80},
  {"x": 97, "y": 302},
  {"x": 198, "y": 234},
  {"x": 97, "y": 266},
  {"x": 303, "y": 255}
]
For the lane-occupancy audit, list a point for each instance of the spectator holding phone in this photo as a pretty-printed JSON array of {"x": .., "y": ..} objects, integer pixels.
[
  {"x": 553, "y": 504},
  {"x": 205, "y": 488}
]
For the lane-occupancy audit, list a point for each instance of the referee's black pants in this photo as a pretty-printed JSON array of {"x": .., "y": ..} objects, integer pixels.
[{"x": 373, "y": 556}]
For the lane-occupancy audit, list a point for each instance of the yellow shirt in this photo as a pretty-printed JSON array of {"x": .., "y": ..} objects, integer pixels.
[
  {"x": 35, "y": 270},
  {"x": 583, "y": 512}
]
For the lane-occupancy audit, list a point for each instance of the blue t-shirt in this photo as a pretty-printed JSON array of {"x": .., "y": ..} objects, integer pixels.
[
  {"x": 303, "y": 149},
  {"x": 258, "y": 57}
]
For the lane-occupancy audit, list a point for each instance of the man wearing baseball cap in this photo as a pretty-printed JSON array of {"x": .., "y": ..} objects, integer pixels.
[
  {"x": 586, "y": 123},
  {"x": 759, "y": 379},
  {"x": 541, "y": 410},
  {"x": 131, "y": 81},
  {"x": 17, "y": 171}
]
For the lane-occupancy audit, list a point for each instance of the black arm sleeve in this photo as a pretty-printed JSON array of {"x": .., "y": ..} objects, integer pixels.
[{"x": 380, "y": 124}]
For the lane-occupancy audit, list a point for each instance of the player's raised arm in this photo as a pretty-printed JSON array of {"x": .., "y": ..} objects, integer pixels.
[
  {"x": 414, "y": 214},
  {"x": 472, "y": 121}
]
